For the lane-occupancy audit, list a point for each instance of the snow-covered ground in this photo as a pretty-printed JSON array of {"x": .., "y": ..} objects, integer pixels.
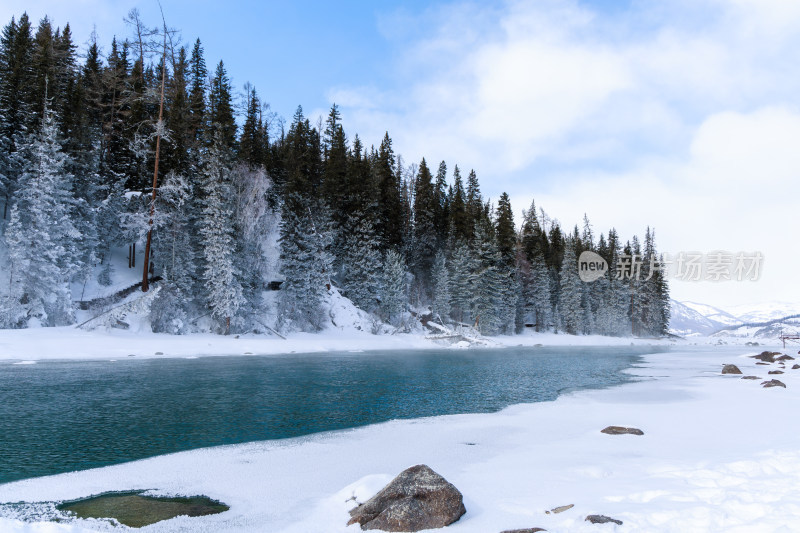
[
  {"x": 72, "y": 343},
  {"x": 719, "y": 454}
]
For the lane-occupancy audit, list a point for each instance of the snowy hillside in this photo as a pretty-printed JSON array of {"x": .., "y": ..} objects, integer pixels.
[
  {"x": 751, "y": 320},
  {"x": 765, "y": 312},
  {"x": 714, "y": 314},
  {"x": 686, "y": 320}
]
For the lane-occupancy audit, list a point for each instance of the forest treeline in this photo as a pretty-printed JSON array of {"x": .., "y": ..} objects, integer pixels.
[{"x": 244, "y": 201}]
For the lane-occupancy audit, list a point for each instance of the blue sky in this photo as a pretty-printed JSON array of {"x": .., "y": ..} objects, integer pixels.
[{"x": 679, "y": 114}]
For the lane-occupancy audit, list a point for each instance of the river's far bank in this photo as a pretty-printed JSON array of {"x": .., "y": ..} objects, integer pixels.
[{"x": 27, "y": 345}]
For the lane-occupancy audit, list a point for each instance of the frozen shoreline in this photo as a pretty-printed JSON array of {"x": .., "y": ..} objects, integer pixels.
[
  {"x": 71, "y": 343},
  {"x": 718, "y": 454}
]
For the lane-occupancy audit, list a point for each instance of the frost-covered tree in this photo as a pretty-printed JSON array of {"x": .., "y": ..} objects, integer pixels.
[
  {"x": 488, "y": 287},
  {"x": 441, "y": 287},
  {"x": 394, "y": 295},
  {"x": 569, "y": 302},
  {"x": 220, "y": 274},
  {"x": 306, "y": 263},
  {"x": 41, "y": 235},
  {"x": 361, "y": 270},
  {"x": 255, "y": 220},
  {"x": 462, "y": 282},
  {"x": 174, "y": 304}
]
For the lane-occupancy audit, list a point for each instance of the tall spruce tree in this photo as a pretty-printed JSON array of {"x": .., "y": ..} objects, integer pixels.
[{"x": 41, "y": 235}]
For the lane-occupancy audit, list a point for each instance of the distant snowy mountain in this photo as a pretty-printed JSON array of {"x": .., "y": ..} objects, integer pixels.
[
  {"x": 714, "y": 314},
  {"x": 767, "y": 330},
  {"x": 689, "y": 318},
  {"x": 767, "y": 320},
  {"x": 764, "y": 312}
]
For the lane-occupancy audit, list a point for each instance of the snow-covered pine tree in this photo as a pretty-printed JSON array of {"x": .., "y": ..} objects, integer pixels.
[
  {"x": 41, "y": 235},
  {"x": 394, "y": 296},
  {"x": 488, "y": 289},
  {"x": 569, "y": 302},
  {"x": 462, "y": 283},
  {"x": 255, "y": 220},
  {"x": 441, "y": 287},
  {"x": 361, "y": 270},
  {"x": 306, "y": 263},
  {"x": 220, "y": 274},
  {"x": 173, "y": 306},
  {"x": 424, "y": 237},
  {"x": 506, "y": 240}
]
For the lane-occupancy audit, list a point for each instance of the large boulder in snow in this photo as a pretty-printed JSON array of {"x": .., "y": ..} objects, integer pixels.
[
  {"x": 767, "y": 357},
  {"x": 619, "y": 430},
  {"x": 731, "y": 369},
  {"x": 418, "y": 498}
]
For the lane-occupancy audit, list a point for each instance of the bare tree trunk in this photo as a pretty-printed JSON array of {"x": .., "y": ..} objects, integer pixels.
[{"x": 145, "y": 283}]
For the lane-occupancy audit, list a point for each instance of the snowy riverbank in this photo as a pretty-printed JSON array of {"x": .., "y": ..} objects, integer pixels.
[
  {"x": 719, "y": 454},
  {"x": 72, "y": 343}
]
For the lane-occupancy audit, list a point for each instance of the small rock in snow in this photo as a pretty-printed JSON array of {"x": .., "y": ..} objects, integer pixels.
[
  {"x": 529, "y": 530},
  {"x": 762, "y": 363},
  {"x": 751, "y": 377},
  {"x": 775, "y": 372},
  {"x": 159, "y": 353},
  {"x": 795, "y": 367},
  {"x": 773, "y": 383},
  {"x": 562, "y": 508},
  {"x": 602, "y": 519},
  {"x": 619, "y": 430},
  {"x": 731, "y": 369},
  {"x": 785, "y": 358}
]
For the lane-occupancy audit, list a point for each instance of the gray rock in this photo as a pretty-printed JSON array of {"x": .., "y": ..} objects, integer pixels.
[
  {"x": 751, "y": 377},
  {"x": 562, "y": 508},
  {"x": 731, "y": 369},
  {"x": 768, "y": 357},
  {"x": 619, "y": 430},
  {"x": 418, "y": 498},
  {"x": 602, "y": 519},
  {"x": 775, "y": 372},
  {"x": 762, "y": 363},
  {"x": 529, "y": 530},
  {"x": 795, "y": 367},
  {"x": 773, "y": 383},
  {"x": 785, "y": 358}
]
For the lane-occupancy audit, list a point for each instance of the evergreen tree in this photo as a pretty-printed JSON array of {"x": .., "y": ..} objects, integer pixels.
[
  {"x": 361, "y": 270},
  {"x": 462, "y": 282},
  {"x": 569, "y": 302},
  {"x": 198, "y": 78},
  {"x": 41, "y": 235},
  {"x": 16, "y": 102},
  {"x": 393, "y": 295},
  {"x": 424, "y": 238},
  {"x": 460, "y": 222},
  {"x": 441, "y": 287},
  {"x": 252, "y": 146},
  {"x": 487, "y": 292},
  {"x": 220, "y": 107},
  {"x": 441, "y": 216},
  {"x": 306, "y": 263},
  {"x": 390, "y": 200},
  {"x": 220, "y": 274}
]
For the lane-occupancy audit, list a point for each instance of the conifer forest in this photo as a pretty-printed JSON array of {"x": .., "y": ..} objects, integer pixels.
[{"x": 135, "y": 155}]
